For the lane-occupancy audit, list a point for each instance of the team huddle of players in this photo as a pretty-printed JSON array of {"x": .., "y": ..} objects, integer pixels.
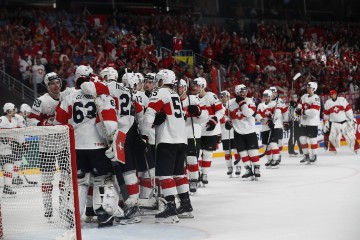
[{"x": 142, "y": 136}]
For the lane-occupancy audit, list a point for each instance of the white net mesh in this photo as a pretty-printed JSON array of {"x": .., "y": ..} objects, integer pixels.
[{"x": 37, "y": 186}]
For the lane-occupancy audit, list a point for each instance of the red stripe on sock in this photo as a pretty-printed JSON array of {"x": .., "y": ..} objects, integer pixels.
[
  {"x": 255, "y": 159},
  {"x": 245, "y": 159},
  {"x": 146, "y": 182},
  {"x": 280, "y": 148},
  {"x": 200, "y": 162},
  {"x": 227, "y": 156},
  {"x": 275, "y": 151},
  {"x": 268, "y": 152},
  {"x": 133, "y": 189},
  {"x": 206, "y": 163},
  {"x": 314, "y": 146},
  {"x": 167, "y": 183},
  {"x": 304, "y": 146},
  {"x": 181, "y": 181},
  {"x": 193, "y": 167},
  {"x": 237, "y": 156}
]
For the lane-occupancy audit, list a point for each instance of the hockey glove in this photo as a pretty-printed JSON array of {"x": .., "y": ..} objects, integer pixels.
[
  {"x": 228, "y": 125},
  {"x": 293, "y": 103},
  {"x": 160, "y": 118},
  {"x": 286, "y": 126},
  {"x": 194, "y": 110},
  {"x": 110, "y": 154},
  {"x": 240, "y": 100},
  {"x": 271, "y": 124},
  {"x": 211, "y": 124},
  {"x": 298, "y": 111}
]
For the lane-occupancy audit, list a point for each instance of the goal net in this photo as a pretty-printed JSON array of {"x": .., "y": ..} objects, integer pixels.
[{"x": 39, "y": 198}]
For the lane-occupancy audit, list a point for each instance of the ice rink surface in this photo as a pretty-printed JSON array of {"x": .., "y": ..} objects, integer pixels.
[{"x": 294, "y": 202}]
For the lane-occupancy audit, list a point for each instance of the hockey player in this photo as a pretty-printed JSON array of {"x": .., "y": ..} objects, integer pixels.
[
  {"x": 338, "y": 112},
  {"x": 149, "y": 83},
  {"x": 7, "y": 150},
  {"x": 83, "y": 112},
  {"x": 195, "y": 115},
  {"x": 42, "y": 114},
  {"x": 227, "y": 136},
  {"x": 284, "y": 116},
  {"x": 210, "y": 130},
  {"x": 171, "y": 140},
  {"x": 269, "y": 114},
  {"x": 126, "y": 110},
  {"x": 25, "y": 110},
  {"x": 309, "y": 112},
  {"x": 243, "y": 121}
]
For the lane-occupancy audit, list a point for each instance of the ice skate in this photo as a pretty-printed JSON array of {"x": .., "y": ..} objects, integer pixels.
[
  {"x": 249, "y": 175},
  {"x": 306, "y": 159},
  {"x": 314, "y": 159},
  {"x": 185, "y": 209},
  {"x": 168, "y": 215},
  {"x": 90, "y": 215},
  {"x": 275, "y": 164},
  {"x": 204, "y": 179},
  {"x": 104, "y": 219},
  {"x": 238, "y": 171},
  {"x": 230, "y": 171},
  {"x": 193, "y": 185},
  {"x": 268, "y": 163},
  {"x": 257, "y": 172},
  {"x": 293, "y": 154}
]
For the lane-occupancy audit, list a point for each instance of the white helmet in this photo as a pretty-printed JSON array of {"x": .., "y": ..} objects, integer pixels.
[
  {"x": 52, "y": 76},
  {"x": 83, "y": 70},
  {"x": 8, "y": 106},
  {"x": 312, "y": 85},
  {"x": 267, "y": 93},
  {"x": 110, "y": 73},
  {"x": 167, "y": 76},
  {"x": 273, "y": 89},
  {"x": 182, "y": 83},
  {"x": 224, "y": 93},
  {"x": 130, "y": 80},
  {"x": 240, "y": 88},
  {"x": 140, "y": 76},
  {"x": 200, "y": 82},
  {"x": 25, "y": 108},
  {"x": 150, "y": 77}
]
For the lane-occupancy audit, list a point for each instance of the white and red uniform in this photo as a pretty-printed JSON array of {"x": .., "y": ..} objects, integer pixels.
[
  {"x": 38, "y": 73},
  {"x": 340, "y": 115},
  {"x": 166, "y": 100},
  {"x": 193, "y": 129},
  {"x": 79, "y": 110},
  {"x": 242, "y": 118},
  {"x": 122, "y": 97},
  {"x": 20, "y": 120},
  {"x": 310, "y": 107},
  {"x": 214, "y": 108},
  {"x": 226, "y": 134},
  {"x": 42, "y": 109},
  {"x": 269, "y": 111}
]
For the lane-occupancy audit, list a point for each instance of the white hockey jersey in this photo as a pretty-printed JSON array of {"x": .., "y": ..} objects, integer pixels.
[
  {"x": 226, "y": 134},
  {"x": 266, "y": 112},
  {"x": 338, "y": 110},
  {"x": 42, "y": 109},
  {"x": 141, "y": 98},
  {"x": 20, "y": 121},
  {"x": 310, "y": 108},
  {"x": 284, "y": 110},
  {"x": 80, "y": 111},
  {"x": 122, "y": 97},
  {"x": 5, "y": 144},
  {"x": 214, "y": 108},
  {"x": 172, "y": 130},
  {"x": 197, "y": 121},
  {"x": 242, "y": 117}
]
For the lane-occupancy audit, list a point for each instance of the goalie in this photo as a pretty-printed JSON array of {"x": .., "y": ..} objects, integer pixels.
[{"x": 339, "y": 121}]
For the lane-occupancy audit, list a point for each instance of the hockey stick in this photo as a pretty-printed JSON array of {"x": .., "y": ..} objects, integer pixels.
[{"x": 292, "y": 92}]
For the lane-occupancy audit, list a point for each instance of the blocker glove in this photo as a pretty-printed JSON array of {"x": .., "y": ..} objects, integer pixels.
[{"x": 211, "y": 124}]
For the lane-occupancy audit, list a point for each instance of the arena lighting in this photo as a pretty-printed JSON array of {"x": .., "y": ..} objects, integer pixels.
[{"x": 54, "y": 4}]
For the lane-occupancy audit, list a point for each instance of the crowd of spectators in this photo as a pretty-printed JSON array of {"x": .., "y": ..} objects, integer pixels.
[{"x": 257, "y": 53}]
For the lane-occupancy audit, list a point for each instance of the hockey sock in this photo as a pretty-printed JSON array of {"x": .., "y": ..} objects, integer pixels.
[
  {"x": 245, "y": 158},
  {"x": 254, "y": 156},
  {"x": 268, "y": 152},
  {"x": 182, "y": 184},
  {"x": 132, "y": 185},
  {"x": 304, "y": 144},
  {"x": 228, "y": 158},
  {"x": 168, "y": 186},
  {"x": 237, "y": 157},
  {"x": 313, "y": 145},
  {"x": 146, "y": 183},
  {"x": 275, "y": 151},
  {"x": 193, "y": 167},
  {"x": 206, "y": 164}
]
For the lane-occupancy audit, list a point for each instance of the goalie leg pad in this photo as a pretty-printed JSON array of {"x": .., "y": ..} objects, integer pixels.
[
  {"x": 335, "y": 134},
  {"x": 104, "y": 195},
  {"x": 83, "y": 183}
]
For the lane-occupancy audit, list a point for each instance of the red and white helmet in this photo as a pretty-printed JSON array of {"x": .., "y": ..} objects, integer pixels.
[
  {"x": 200, "y": 81},
  {"x": 83, "y": 70},
  {"x": 167, "y": 76}
]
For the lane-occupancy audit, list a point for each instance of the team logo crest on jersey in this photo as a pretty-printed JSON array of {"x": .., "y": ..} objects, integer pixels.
[{"x": 119, "y": 147}]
